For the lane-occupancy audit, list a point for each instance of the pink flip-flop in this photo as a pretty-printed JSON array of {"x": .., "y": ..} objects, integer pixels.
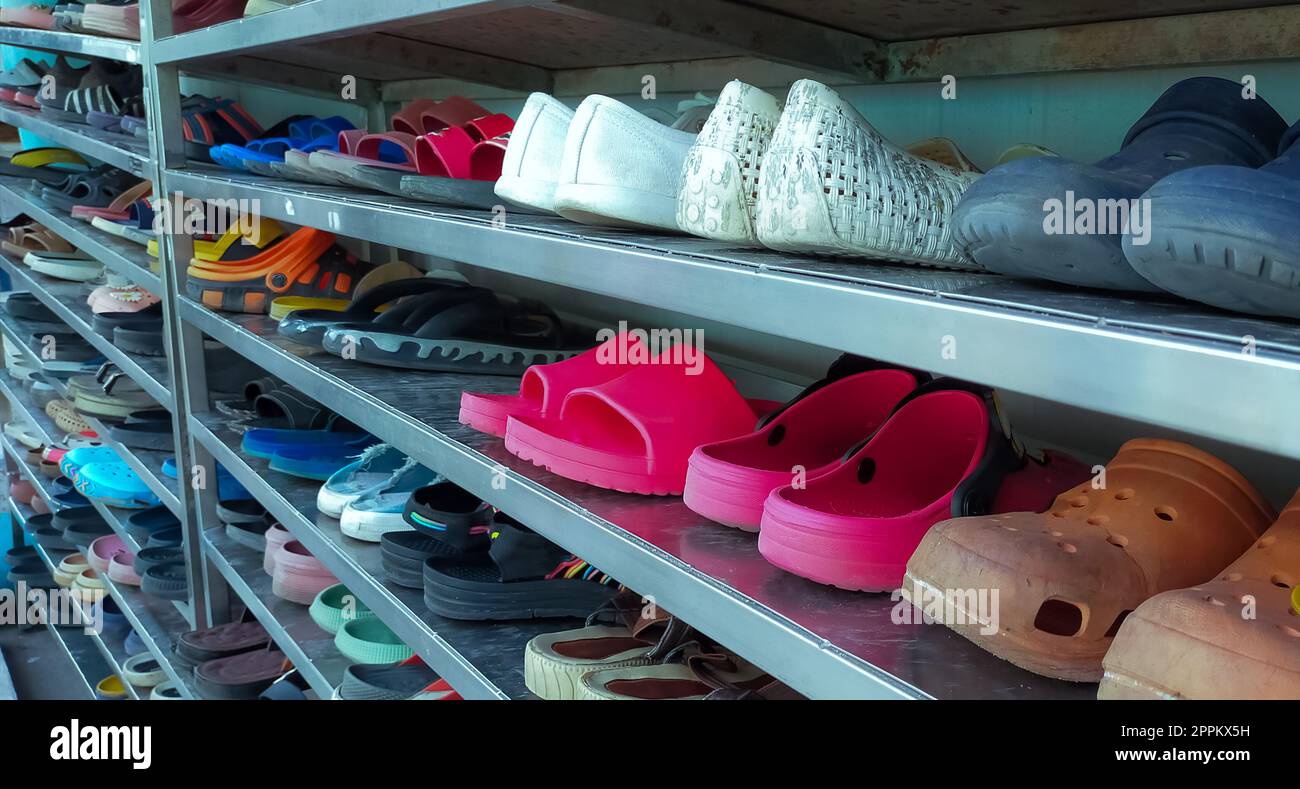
[
  {"x": 544, "y": 386},
  {"x": 728, "y": 481},
  {"x": 474, "y": 151},
  {"x": 941, "y": 454},
  {"x": 635, "y": 433}
]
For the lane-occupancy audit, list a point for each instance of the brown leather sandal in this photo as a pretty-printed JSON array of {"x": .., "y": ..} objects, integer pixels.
[
  {"x": 1167, "y": 516},
  {"x": 34, "y": 237},
  {"x": 1236, "y": 637}
]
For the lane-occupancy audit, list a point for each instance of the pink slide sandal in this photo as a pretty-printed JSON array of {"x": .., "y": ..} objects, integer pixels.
[
  {"x": 941, "y": 454},
  {"x": 635, "y": 433},
  {"x": 544, "y": 386},
  {"x": 728, "y": 481}
]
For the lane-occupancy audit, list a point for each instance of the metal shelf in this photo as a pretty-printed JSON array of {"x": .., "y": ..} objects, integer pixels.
[
  {"x": 68, "y": 301},
  {"x": 156, "y": 621},
  {"x": 1155, "y": 360},
  {"x": 117, "y": 254},
  {"x": 119, "y": 150},
  {"x": 823, "y": 642},
  {"x": 83, "y": 649},
  {"x": 311, "y": 649},
  {"x": 81, "y": 44},
  {"x": 481, "y": 660},
  {"x": 558, "y": 41}
]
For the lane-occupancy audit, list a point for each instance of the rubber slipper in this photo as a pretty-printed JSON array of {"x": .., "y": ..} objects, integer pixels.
[
  {"x": 32, "y": 573},
  {"x": 605, "y": 137},
  {"x": 33, "y": 16},
  {"x": 103, "y": 549},
  {"x": 1196, "y": 644},
  {"x": 1224, "y": 236},
  {"x": 378, "y": 682},
  {"x": 635, "y": 433},
  {"x": 241, "y": 511},
  {"x": 143, "y": 671},
  {"x": 382, "y": 510},
  {"x": 119, "y": 208},
  {"x": 335, "y": 606},
  {"x": 370, "y": 641},
  {"x": 68, "y": 568},
  {"x": 73, "y": 267},
  {"x": 34, "y": 237},
  {"x": 200, "y": 646},
  {"x": 115, "y": 484},
  {"x": 21, "y": 554},
  {"x": 210, "y": 123},
  {"x": 403, "y": 554},
  {"x": 139, "y": 525},
  {"x": 309, "y": 326},
  {"x": 156, "y": 435},
  {"x": 240, "y": 677},
  {"x": 266, "y": 442},
  {"x": 463, "y": 330},
  {"x": 121, "y": 570},
  {"x": 459, "y": 165},
  {"x": 1003, "y": 222},
  {"x": 823, "y": 173},
  {"x": 121, "y": 21},
  {"x": 620, "y": 635},
  {"x": 371, "y": 471},
  {"x": 944, "y": 452},
  {"x": 47, "y": 166},
  {"x": 27, "y": 307},
  {"x": 232, "y": 156},
  {"x": 234, "y": 245},
  {"x": 297, "y": 575},
  {"x": 696, "y": 678},
  {"x": 728, "y": 481},
  {"x": 1168, "y": 516},
  {"x": 305, "y": 135},
  {"x": 521, "y": 576},
  {"x": 393, "y": 151},
  {"x": 94, "y": 188},
  {"x": 318, "y": 462},
  {"x": 307, "y": 263}
]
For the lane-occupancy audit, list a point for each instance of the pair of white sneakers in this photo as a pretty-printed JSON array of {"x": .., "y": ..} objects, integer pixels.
[{"x": 603, "y": 164}]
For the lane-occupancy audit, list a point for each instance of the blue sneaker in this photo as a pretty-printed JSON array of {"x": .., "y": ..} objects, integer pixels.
[
  {"x": 369, "y": 472},
  {"x": 378, "y": 512}
]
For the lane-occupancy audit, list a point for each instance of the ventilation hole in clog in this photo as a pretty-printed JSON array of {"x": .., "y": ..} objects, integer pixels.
[
  {"x": 1058, "y": 534},
  {"x": 1290, "y": 631},
  {"x": 1125, "y": 494},
  {"x": 1067, "y": 547},
  {"x": 1212, "y": 600},
  {"x": 1079, "y": 501},
  {"x": 1175, "y": 156},
  {"x": 1118, "y": 540},
  {"x": 866, "y": 470},
  {"x": 1057, "y": 514},
  {"x": 776, "y": 436},
  {"x": 1233, "y": 577},
  {"x": 1282, "y": 581},
  {"x": 1166, "y": 514},
  {"x": 1114, "y": 626},
  {"x": 1098, "y": 520},
  {"x": 1266, "y": 542},
  {"x": 1059, "y": 618}
]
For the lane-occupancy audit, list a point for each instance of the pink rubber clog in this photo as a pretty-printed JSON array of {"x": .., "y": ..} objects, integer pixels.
[
  {"x": 729, "y": 481},
  {"x": 941, "y": 454}
]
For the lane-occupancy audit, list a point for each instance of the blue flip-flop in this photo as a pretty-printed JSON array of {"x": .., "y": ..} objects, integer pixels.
[
  {"x": 1228, "y": 236},
  {"x": 1042, "y": 217},
  {"x": 306, "y": 134},
  {"x": 314, "y": 462},
  {"x": 263, "y": 442}
]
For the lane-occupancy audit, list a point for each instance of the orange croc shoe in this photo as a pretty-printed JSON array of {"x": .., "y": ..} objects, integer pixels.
[
  {"x": 1164, "y": 515},
  {"x": 1236, "y": 637},
  {"x": 306, "y": 263}
]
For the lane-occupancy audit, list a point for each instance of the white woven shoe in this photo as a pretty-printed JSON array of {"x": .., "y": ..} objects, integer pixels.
[
  {"x": 532, "y": 161},
  {"x": 719, "y": 184},
  {"x": 832, "y": 185},
  {"x": 620, "y": 168}
]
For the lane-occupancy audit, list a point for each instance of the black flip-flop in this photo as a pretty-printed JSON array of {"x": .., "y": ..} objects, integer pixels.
[
  {"x": 522, "y": 576},
  {"x": 308, "y": 326}
]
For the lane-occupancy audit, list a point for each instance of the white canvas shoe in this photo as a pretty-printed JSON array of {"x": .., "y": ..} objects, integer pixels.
[
  {"x": 719, "y": 183},
  {"x": 532, "y": 162},
  {"x": 832, "y": 185},
  {"x": 620, "y": 168}
]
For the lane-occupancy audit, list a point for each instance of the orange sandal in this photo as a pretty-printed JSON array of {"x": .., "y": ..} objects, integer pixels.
[
  {"x": 306, "y": 263},
  {"x": 1167, "y": 516},
  {"x": 1236, "y": 637}
]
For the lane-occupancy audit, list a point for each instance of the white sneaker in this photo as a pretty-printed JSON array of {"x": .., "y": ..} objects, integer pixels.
[
  {"x": 832, "y": 185},
  {"x": 531, "y": 165},
  {"x": 620, "y": 168},
  {"x": 719, "y": 183}
]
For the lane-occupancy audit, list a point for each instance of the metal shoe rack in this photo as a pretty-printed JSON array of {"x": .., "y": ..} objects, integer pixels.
[{"x": 1162, "y": 363}]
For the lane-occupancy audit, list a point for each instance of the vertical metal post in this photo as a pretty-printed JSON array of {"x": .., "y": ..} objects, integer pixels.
[{"x": 209, "y": 593}]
